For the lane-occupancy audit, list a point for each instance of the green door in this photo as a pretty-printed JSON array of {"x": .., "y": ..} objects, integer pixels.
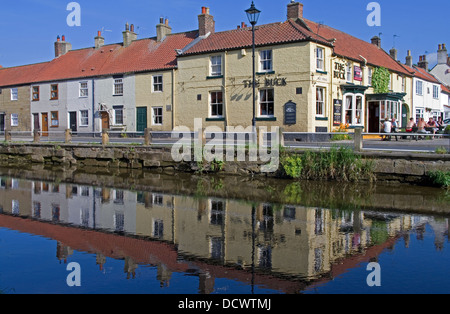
[{"x": 141, "y": 119}]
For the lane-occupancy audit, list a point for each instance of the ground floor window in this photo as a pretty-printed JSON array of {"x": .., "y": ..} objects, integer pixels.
[
  {"x": 157, "y": 115},
  {"x": 320, "y": 101},
  {"x": 266, "y": 102},
  {"x": 216, "y": 104},
  {"x": 54, "y": 119},
  {"x": 353, "y": 109},
  {"x": 118, "y": 115},
  {"x": 84, "y": 118},
  {"x": 14, "y": 119},
  {"x": 419, "y": 114}
]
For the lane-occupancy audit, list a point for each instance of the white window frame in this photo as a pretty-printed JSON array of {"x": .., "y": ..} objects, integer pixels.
[
  {"x": 354, "y": 110},
  {"x": 215, "y": 68},
  {"x": 157, "y": 83},
  {"x": 349, "y": 72},
  {"x": 419, "y": 88},
  {"x": 84, "y": 121},
  {"x": 118, "y": 109},
  {"x": 266, "y": 60},
  {"x": 321, "y": 102},
  {"x": 14, "y": 119},
  {"x": 217, "y": 104},
  {"x": 84, "y": 91},
  {"x": 157, "y": 115},
  {"x": 118, "y": 87},
  {"x": 403, "y": 84},
  {"x": 14, "y": 94},
  {"x": 369, "y": 76},
  {"x": 266, "y": 103},
  {"x": 436, "y": 92},
  {"x": 320, "y": 59}
]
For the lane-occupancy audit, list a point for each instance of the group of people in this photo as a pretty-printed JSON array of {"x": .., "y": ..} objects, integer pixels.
[{"x": 391, "y": 126}]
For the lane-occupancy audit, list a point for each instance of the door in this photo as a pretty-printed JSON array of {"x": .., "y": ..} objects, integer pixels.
[
  {"x": 141, "y": 119},
  {"x": 374, "y": 117},
  {"x": 405, "y": 114},
  {"x": 44, "y": 124},
  {"x": 2, "y": 122},
  {"x": 105, "y": 120},
  {"x": 73, "y": 121},
  {"x": 36, "y": 123}
]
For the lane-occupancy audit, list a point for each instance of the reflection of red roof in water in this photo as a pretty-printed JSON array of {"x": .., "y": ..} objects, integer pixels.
[{"x": 144, "y": 251}]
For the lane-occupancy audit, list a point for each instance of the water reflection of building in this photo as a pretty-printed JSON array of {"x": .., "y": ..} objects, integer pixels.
[{"x": 282, "y": 240}]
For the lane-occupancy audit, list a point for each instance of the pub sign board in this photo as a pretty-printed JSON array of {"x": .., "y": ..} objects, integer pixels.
[
  {"x": 290, "y": 113},
  {"x": 337, "y": 112}
]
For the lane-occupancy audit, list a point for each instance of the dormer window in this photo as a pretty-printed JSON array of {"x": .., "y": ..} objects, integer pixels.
[{"x": 320, "y": 59}]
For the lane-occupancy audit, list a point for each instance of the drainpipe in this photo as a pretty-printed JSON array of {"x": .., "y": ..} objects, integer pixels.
[
  {"x": 225, "y": 98},
  {"x": 93, "y": 107},
  {"x": 173, "y": 99}
]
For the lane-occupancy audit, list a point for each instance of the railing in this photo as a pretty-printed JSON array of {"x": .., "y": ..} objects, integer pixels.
[{"x": 357, "y": 139}]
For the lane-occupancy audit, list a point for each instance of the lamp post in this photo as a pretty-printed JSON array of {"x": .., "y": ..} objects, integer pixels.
[{"x": 253, "y": 16}]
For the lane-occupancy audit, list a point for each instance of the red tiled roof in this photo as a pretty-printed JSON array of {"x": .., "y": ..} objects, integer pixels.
[
  {"x": 21, "y": 75},
  {"x": 353, "y": 48},
  {"x": 445, "y": 89},
  {"x": 268, "y": 34},
  {"x": 141, "y": 56},
  {"x": 423, "y": 74}
]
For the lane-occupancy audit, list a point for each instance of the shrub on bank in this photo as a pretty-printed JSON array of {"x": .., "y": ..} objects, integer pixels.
[
  {"x": 440, "y": 178},
  {"x": 340, "y": 164}
]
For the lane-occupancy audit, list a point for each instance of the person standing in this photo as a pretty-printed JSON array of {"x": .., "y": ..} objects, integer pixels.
[
  {"x": 387, "y": 127},
  {"x": 395, "y": 128}
]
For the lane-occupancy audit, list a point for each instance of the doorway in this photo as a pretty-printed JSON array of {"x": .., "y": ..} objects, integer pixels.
[
  {"x": 44, "y": 124},
  {"x": 141, "y": 119},
  {"x": 2, "y": 122},
  {"x": 73, "y": 121},
  {"x": 105, "y": 120},
  {"x": 374, "y": 117},
  {"x": 36, "y": 124}
]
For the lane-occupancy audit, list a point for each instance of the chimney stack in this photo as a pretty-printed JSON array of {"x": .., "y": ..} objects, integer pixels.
[
  {"x": 442, "y": 54},
  {"x": 294, "y": 10},
  {"x": 423, "y": 63},
  {"x": 162, "y": 29},
  {"x": 393, "y": 53},
  {"x": 129, "y": 35},
  {"x": 409, "y": 59},
  {"x": 206, "y": 23},
  {"x": 376, "y": 41},
  {"x": 61, "y": 46},
  {"x": 99, "y": 40}
]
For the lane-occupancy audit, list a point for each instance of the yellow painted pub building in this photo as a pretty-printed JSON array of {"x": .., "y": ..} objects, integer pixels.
[{"x": 309, "y": 78}]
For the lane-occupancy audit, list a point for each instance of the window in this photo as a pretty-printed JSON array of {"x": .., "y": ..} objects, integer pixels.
[
  {"x": 266, "y": 104},
  {"x": 403, "y": 84},
  {"x": 54, "y": 92},
  {"x": 353, "y": 109},
  {"x": 35, "y": 93},
  {"x": 369, "y": 76},
  {"x": 158, "y": 228},
  {"x": 84, "y": 118},
  {"x": 118, "y": 115},
  {"x": 217, "y": 213},
  {"x": 348, "y": 72},
  {"x": 435, "y": 92},
  {"x": 118, "y": 87},
  {"x": 15, "y": 207},
  {"x": 419, "y": 88},
  {"x": 265, "y": 58},
  {"x": 320, "y": 59},
  {"x": 216, "y": 104},
  {"x": 419, "y": 114},
  {"x": 54, "y": 119},
  {"x": 84, "y": 89},
  {"x": 14, "y": 94},
  {"x": 14, "y": 119},
  {"x": 320, "y": 101},
  {"x": 216, "y": 65},
  {"x": 157, "y": 115},
  {"x": 158, "y": 83}
]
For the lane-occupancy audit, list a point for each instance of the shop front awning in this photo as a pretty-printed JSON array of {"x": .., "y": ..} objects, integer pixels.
[
  {"x": 353, "y": 89},
  {"x": 386, "y": 96}
]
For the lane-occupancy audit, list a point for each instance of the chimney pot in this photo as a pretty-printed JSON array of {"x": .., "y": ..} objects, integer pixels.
[
  {"x": 132, "y": 28},
  {"x": 63, "y": 38},
  {"x": 206, "y": 23},
  {"x": 61, "y": 46},
  {"x": 162, "y": 29},
  {"x": 161, "y": 20}
]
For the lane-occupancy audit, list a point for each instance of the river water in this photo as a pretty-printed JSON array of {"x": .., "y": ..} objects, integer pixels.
[{"x": 133, "y": 232}]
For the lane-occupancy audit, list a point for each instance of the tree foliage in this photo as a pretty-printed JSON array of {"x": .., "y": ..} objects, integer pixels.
[{"x": 380, "y": 80}]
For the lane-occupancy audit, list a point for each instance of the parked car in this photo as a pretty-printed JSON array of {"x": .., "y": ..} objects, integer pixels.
[{"x": 446, "y": 122}]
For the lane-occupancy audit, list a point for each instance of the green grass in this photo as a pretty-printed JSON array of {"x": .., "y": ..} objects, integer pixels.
[
  {"x": 340, "y": 164},
  {"x": 440, "y": 178}
]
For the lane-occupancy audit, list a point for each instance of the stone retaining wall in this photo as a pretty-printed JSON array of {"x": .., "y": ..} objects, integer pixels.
[{"x": 403, "y": 167}]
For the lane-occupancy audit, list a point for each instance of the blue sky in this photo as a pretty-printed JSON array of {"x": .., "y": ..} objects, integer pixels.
[{"x": 30, "y": 27}]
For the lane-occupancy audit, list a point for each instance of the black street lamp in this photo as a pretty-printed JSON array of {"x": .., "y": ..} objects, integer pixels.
[{"x": 253, "y": 16}]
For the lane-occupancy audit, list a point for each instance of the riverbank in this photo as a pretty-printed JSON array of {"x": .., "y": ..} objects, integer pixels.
[{"x": 411, "y": 168}]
